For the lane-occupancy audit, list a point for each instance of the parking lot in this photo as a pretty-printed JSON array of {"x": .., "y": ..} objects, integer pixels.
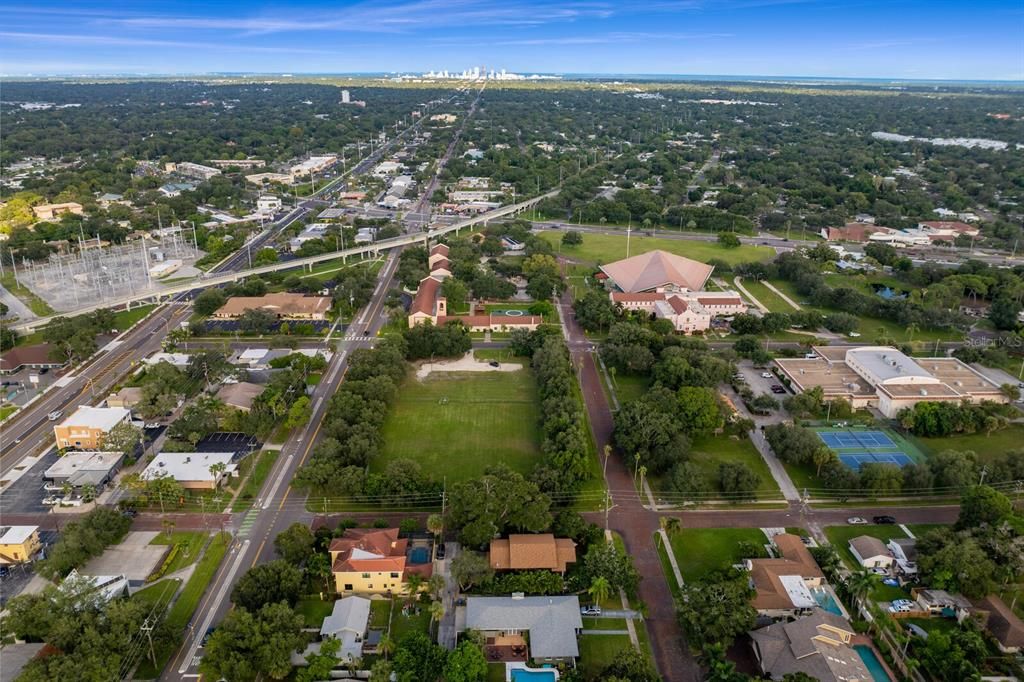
[
  {"x": 25, "y": 495},
  {"x": 757, "y": 383},
  {"x": 239, "y": 443}
]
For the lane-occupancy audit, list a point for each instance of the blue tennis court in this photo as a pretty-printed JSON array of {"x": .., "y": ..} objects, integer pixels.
[
  {"x": 841, "y": 440},
  {"x": 855, "y": 460}
]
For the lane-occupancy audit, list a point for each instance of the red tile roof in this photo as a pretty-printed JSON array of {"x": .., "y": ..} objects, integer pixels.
[
  {"x": 639, "y": 297},
  {"x": 440, "y": 264},
  {"x": 439, "y": 248},
  {"x": 678, "y": 305},
  {"x": 426, "y": 296},
  {"x": 19, "y": 356},
  {"x": 719, "y": 300},
  {"x": 351, "y": 552}
]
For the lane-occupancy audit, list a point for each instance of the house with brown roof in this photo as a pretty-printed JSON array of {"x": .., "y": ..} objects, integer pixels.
[
  {"x": 240, "y": 395},
  {"x": 128, "y": 397},
  {"x": 659, "y": 271},
  {"x": 521, "y": 552},
  {"x": 1002, "y": 623},
  {"x": 783, "y": 585},
  {"x": 373, "y": 561},
  {"x": 282, "y": 305},
  {"x": 437, "y": 261},
  {"x": 36, "y": 356}
]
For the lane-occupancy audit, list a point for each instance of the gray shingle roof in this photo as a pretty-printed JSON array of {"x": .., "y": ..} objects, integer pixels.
[{"x": 551, "y": 621}]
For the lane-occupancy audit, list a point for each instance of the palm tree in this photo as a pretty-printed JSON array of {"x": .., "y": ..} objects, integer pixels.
[
  {"x": 912, "y": 329},
  {"x": 860, "y": 583},
  {"x": 436, "y": 612},
  {"x": 435, "y": 524},
  {"x": 413, "y": 584},
  {"x": 386, "y": 645},
  {"x": 436, "y": 585},
  {"x": 217, "y": 470},
  {"x": 600, "y": 589},
  {"x": 672, "y": 524}
]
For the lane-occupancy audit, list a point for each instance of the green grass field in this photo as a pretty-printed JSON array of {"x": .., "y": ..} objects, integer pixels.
[
  {"x": 190, "y": 543},
  {"x": 986, "y": 447},
  {"x": 126, "y": 318},
  {"x": 630, "y": 387},
  {"x": 457, "y": 423},
  {"x": 314, "y": 610},
  {"x": 605, "y": 248},
  {"x": 710, "y": 451},
  {"x": 598, "y": 651},
  {"x": 699, "y": 551},
  {"x": 767, "y": 297},
  {"x": 6, "y": 411},
  {"x": 260, "y": 471}
]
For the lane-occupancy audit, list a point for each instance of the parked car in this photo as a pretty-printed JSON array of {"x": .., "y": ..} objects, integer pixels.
[
  {"x": 856, "y": 521},
  {"x": 440, "y": 551},
  {"x": 916, "y": 631},
  {"x": 777, "y": 389},
  {"x": 590, "y": 610},
  {"x": 766, "y": 375},
  {"x": 51, "y": 501},
  {"x": 206, "y": 636},
  {"x": 884, "y": 519},
  {"x": 55, "y": 415}
]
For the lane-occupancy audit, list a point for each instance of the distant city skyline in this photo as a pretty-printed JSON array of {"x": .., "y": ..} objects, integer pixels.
[{"x": 912, "y": 39}]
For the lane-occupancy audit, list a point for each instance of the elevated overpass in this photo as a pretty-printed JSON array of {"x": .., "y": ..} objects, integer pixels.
[{"x": 210, "y": 280}]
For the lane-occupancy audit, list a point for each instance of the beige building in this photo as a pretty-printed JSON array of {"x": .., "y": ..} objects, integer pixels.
[
  {"x": 127, "y": 398},
  {"x": 657, "y": 271},
  {"x": 85, "y": 428},
  {"x": 193, "y": 470},
  {"x": 282, "y": 305},
  {"x": 18, "y": 544},
  {"x": 51, "y": 211},
  {"x": 371, "y": 561},
  {"x": 884, "y": 378}
]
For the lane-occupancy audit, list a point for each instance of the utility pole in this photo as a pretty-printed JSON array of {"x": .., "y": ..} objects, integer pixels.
[
  {"x": 984, "y": 472},
  {"x": 607, "y": 507},
  {"x": 147, "y": 627},
  {"x": 444, "y": 495}
]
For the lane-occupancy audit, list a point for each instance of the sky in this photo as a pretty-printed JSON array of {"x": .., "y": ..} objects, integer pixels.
[{"x": 911, "y": 39}]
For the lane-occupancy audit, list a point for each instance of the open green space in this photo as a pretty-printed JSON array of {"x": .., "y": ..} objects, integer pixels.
[
  {"x": 699, "y": 551},
  {"x": 767, "y": 297},
  {"x": 708, "y": 452},
  {"x": 6, "y": 411},
  {"x": 188, "y": 543},
  {"x": 598, "y": 651},
  {"x": 385, "y": 611},
  {"x": 919, "y": 529},
  {"x": 551, "y": 318},
  {"x": 605, "y": 248},
  {"x": 987, "y": 447},
  {"x": 313, "y": 610},
  {"x": 158, "y": 593},
  {"x": 630, "y": 387},
  {"x": 604, "y": 623},
  {"x": 329, "y": 269},
  {"x": 123, "y": 319},
  {"x": 183, "y": 608},
  {"x": 455, "y": 424},
  {"x": 264, "y": 462}
]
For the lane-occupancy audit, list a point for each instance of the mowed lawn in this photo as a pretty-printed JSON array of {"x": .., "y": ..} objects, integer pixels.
[
  {"x": 455, "y": 424},
  {"x": 700, "y": 551},
  {"x": 605, "y": 248},
  {"x": 986, "y": 447}
]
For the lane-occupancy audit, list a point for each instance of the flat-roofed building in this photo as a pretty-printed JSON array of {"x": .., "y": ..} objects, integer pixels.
[
  {"x": 265, "y": 178},
  {"x": 194, "y": 170},
  {"x": 86, "y": 427},
  {"x": 18, "y": 544},
  {"x": 281, "y": 305},
  {"x": 313, "y": 164},
  {"x": 127, "y": 398},
  {"x": 79, "y": 469},
  {"x": 887, "y": 379},
  {"x": 51, "y": 211},
  {"x": 854, "y": 232},
  {"x": 240, "y": 395},
  {"x": 193, "y": 470}
]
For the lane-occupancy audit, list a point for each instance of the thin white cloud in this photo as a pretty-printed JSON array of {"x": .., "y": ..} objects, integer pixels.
[
  {"x": 120, "y": 41},
  {"x": 598, "y": 39}
]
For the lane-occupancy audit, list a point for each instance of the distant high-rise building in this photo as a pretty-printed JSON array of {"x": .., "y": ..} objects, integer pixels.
[{"x": 345, "y": 98}]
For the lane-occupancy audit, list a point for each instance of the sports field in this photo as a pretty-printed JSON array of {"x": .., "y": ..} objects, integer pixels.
[
  {"x": 856, "y": 447},
  {"x": 457, "y": 423}
]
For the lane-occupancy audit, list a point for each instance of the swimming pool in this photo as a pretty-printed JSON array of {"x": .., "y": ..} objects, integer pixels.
[
  {"x": 874, "y": 666},
  {"x": 419, "y": 555},
  {"x": 527, "y": 675},
  {"x": 827, "y": 602}
]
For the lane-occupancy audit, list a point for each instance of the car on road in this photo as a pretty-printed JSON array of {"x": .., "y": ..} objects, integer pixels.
[
  {"x": 884, "y": 519},
  {"x": 856, "y": 521},
  {"x": 55, "y": 415},
  {"x": 766, "y": 375},
  {"x": 590, "y": 610},
  {"x": 853, "y": 335},
  {"x": 206, "y": 636},
  {"x": 494, "y": 363},
  {"x": 777, "y": 389}
]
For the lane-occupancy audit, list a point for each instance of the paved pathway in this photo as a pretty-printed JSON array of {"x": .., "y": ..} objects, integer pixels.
[
  {"x": 16, "y": 305},
  {"x": 630, "y": 519},
  {"x": 738, "y": 281},
  {"x": 771, "y": 287}
]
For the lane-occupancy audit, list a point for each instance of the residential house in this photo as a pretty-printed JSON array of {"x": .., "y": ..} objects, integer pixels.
[
  {"x": 127, "y": 398},
  {"x": 240, "y": 395},
  {"x": 281, "y": 305},
  {"x": 870, "y": 552},
  {"x": 347, "y": 623},
  {"x": 783, "y": 585},
  {"x": 904, "y": 555},
  {"x": 193, "y": 470},
  {"x": 372, "y": 561},
  {"x": 36, "y": 356},
  {"x": 174, "y": 189},
  {"x": 79, "y": 469},
  {"x": 1002, "y": 623},
  {"x": 18, "y": 544},
  {"x": 521, "y": 552},
  {"x": 48, "y": 212},
  {"x": 553, "y": 623},
  {"x": 942, "y": 603},
  {"x": 86, "y": 427},
  {"x": 818, "y": 645},
  {"x": 179, "y": 360}
]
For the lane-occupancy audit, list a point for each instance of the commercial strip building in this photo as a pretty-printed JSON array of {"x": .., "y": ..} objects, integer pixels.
[
  {"x": 50, "y": 211},
  {"x": 314, "y": 164},
  {"x": 669, "y": 287},
  {"x": 18, "y": 544},
  {"x": 193, "y": 470},
  {"x": 37, "y": 356},
  {"x": 884, "y": 378},
  {"x": 85, "y": 428},
  {"x": 193, "y": 170},
  {"x": 532, "y": 552},
  {"x": 430, "y": 306},
  {"x": 927, "y": 232},
  {"x": 281, "y": 305},
  {"x": 79, "y": 469}
]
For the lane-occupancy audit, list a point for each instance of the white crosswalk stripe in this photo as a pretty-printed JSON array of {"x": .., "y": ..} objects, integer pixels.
[{"x": 360, "y": 338}]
